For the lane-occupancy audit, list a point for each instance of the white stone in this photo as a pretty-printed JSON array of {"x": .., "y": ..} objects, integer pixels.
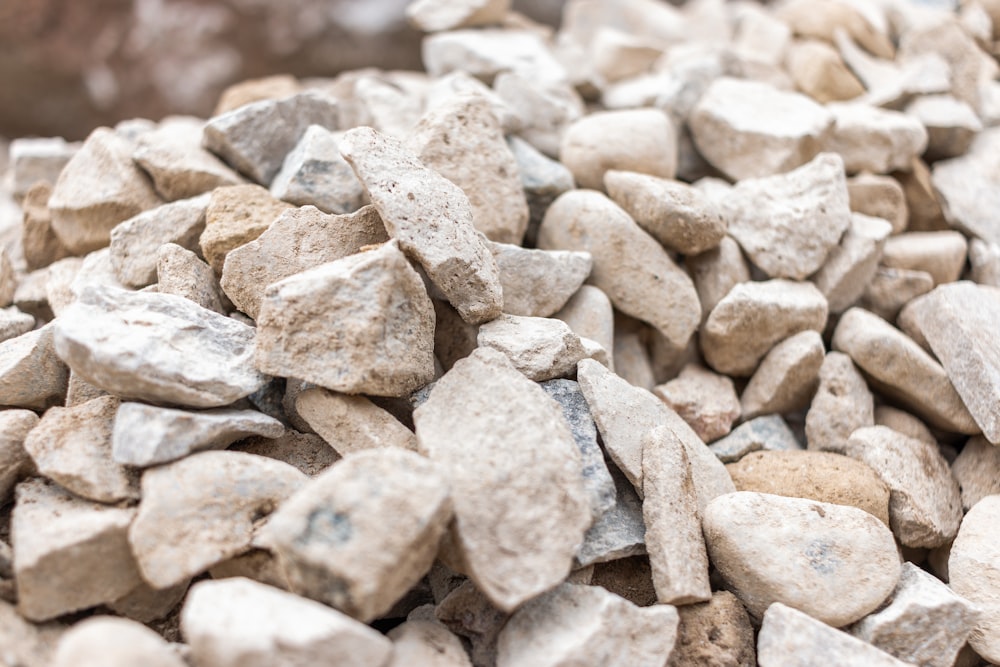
[
  {"x": 873, "y": 139},
  {"x": 522, "y": 270},
  {"x": 486, "y": 53},
  {"x": 436, "y": 16},
  {"x": 951, "y": 124},
  {"x": 106, "y": 641},
  {"x": 541, "y": 348},
  {"x": 974, "y": 573}
]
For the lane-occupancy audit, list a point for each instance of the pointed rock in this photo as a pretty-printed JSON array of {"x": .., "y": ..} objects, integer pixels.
[
  {"x": 15, "y": 462},
  {"x": 31, "y": 375},
  {"x": 523, "y": 270},
  {"x": 351, "y": 424},
  {"x": 181, "y": 272},
  {"x": 314, "y": 174},
  {"x": 850, "y": 267},
  {"x": 969, "y": 187},
  {"x": 786, "y": 378}
]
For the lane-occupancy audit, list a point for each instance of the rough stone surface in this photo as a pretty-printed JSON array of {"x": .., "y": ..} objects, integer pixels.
[
  {"x": 977, "y": 470},
  {"x": 145, "y": 435},
  {"x": 786, "y": 378},
  {"x": 586, "y": 624},
  {"x": 203, "y": 509},
  {"x": 351, "y": 424},
  {"x": 237, "y": 622},
  {"x": 974, "y": 573},
  {"x": 314, "y": 174},
  {"x": 364, "y": 532},
  {"x": 717, "y": 271},
  {"x": 419, "y": 642},
  {"x": 767, "y": 433},
  {"x": 69, "y": 553},
  {"x": 516, "y": 533},
  {"x": 891, "y": 289},
  {"x": 835, "y": 563},
  {"x": 850, "y": 267},
  {"x": 34, "y": 159},
  {"x": 873, "y": 139},
  {"x": 235, "y": 216},
  {"x": 749, "y": 129},
  {"x": 157, "y": 348},
  {"x": 879, "y": 196},
  {"x": 842, "y": 404},
  {"x": 789, "y": 223},
  {"x": 630, "y": 267},
  {"x": 106, "y": 641},
  {"x": 15, "y": 462},
  {"x": 523, "y": 270},
  {"x": 31, "y": 375},
  {"x": 181, "y": 272},
  {"x": 8, "y": 281},
  {"x": 541, "y": 348},
  {"x": 619, "y": 532},
  {"x": 941, "y": 254},
  {"x": 968, "y": 187},
  {"x": 470, "y": 614},
  {"x": 705, "y": 400},
  {"x": 753, "y": 317},
  {"x": 716, "y": 633}
]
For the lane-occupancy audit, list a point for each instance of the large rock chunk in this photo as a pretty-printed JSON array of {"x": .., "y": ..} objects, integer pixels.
[
  {"x": 315, "y": 174},
  {"x": 969, "y": 187},
  {"x": 788, "y": 223},
  {"x": 204, "y": 509},
  {"x": 377, "y": 304},
  {"x": 834, "y": 562},
  {"x": 157, "y": 347},
  {"x": 237, "y": 622},
  {"x": 235, "y": 216},
  {"x": 520, "y": 505},
  {"x": 576, "y": 624},
  {"x": 431, "y": 218},
  {"x": 748, "y": 129},
  {"x": 786, "y": 378},
  {"x": 630, "y": 266},
  {"x": 850, "y": 267},
  {"x": 522, "y": 270},
  {"x": 31, "y": 375},
  {"x": 974, "y": 573},
  {"x": 364, "y": 532},
  {"x": 705, "y": 400},
  {"x": 98, "y": 188},
  {"x": 181, "y": 272},
  {"x": 540, "y": 347}
]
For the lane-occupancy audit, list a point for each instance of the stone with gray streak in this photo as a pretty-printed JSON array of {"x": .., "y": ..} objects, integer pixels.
[{"x": 314, "y": 174}]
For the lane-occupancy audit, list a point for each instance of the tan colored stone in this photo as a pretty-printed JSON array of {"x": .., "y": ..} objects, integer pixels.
[
  {"x": 523, "y": 270},
  {"x": 454, "y": 338},
  {"x": 873, "y": 139},
  {"x": 841, "y": 405},
  {"x": 616, "y": 55},
  {"x": 256, "y": 90},
  {"x": 717, "y": 271},
  {"x": 631, "y": 355},
  {"x": 966, "y": 187},
  {"x": 949, "y": 40},
  {"x": 705, "y": 400},
  {"x": 436, "y": 16},
  {"x": 8, "y": 281},
  {"x": 306, "y": 451},
  {"x": 440, "y": 91},
  {"x": 891, "y": 289},
  {"x": 106, "y": 641},
  {"x": 435, "y": 228},
  {"x": 80, "y": 391},
  {"x": 941, "y": 254},
  {"x": 903, "y": 422},
  {"x": 426, "y": 642},
  {"x": 351, "y": 424},
  {"x": 541, "y": 348},
  {"x": 879, "y": 196},
  {"x": 236, "y": 215},
  {"x": 470, "y": 614},
  {"x": 850, "y": 267},
  {"x": 314, "y": 174},
  {"x": 181, "y": 272},
  {"x": 15, "y": 462},
  {"x": 717, "y": 632},
  {"x": 974, "y": 573},
  {"x": 818, "y": 71},
  {"x": 977, "y": 470},
  {"x": 31, "y": 375},
  {"x": 786, "y": 378},
  {"x": 26, "y": 643},
  {"x": 39, "y": 242},
  {"x": 590, "y": 315},
  {"x": 823, "y": 18}
]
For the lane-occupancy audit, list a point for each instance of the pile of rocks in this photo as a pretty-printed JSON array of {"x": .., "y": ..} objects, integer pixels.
[{"x": 665, "y": 339}]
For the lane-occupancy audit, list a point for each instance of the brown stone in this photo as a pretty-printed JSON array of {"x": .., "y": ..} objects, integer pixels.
[{"x": 236, "y": 215}]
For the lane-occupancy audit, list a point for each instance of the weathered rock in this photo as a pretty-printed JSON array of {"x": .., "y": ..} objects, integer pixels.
[
  {"x": 717, "y": 632},
  {"x": 753, "y": 317},
  {"x": 236, "y": 215},
  {"x": 900, "y": 368},
  {"x": 748, "y": 129},
  {"x": 434, "y": 16},
  {"x": 379, "y": 305},
  {"x": 941, "y": 254},
  {"x": 967, "y": 187},
  {"x": 470, "y": 614},
  {"x": 237, "y": 622},
  {"x": 925, "y": 505},
  {"x": 579, "y": 624},
  {"x": 951, "y": 124},
  {"x": 974, "y": 573},
  {"x": 546, "y": 110},
  {"x": 203, "y": 509},
  {"x": 182, "y": 273},
  {"x": 841, "y": 405},
  {"x": 850, "y": 267},
  {"x": 879, "y": 196},
  {"x": 489, "y": 52},
  {"x": 306, "y": 451},
  {"x": 523, "y": 270},
  {"x": 31, "y": 375},
  {"x": 824, "y": 19},
  {"x": 314, "y": 174},
  {"x": 435, "y": 228},
  {"x": 15, "y": 462},
  {"x": 786, "y": 378},
  {"x": 512, "y": 554},
  {"x": 134, "y": 242},
  {"x": 39, "y": 243},
  {"x": 540, "y": 348},
  {"x": 590, "y": 315},
  {"x": 984, "y": 261},
  {"x": 925, "y": 624},
  {"x": 789, "y": 223},
  {"x": 98, "y": 188},
  {"x": 351, "y": 424},
  {"x": 146, "y": 604},
  {"x": 38, "y": 159},
  {"x": 630, "y": 267},
  {"x": 619, "y": 532},
  {"x": 705, "y": 400},
  {"x": 873, "y": 139},
  {"x": 819, "y": 72},
  {"x": 716, "y": 271},
  {"x": 106, "y": 641},
  {"x": 891, "y": 289},
  {"x": 977, "y": 470},
  {"x": 789, "y": 638},
  {"x": 767, "y": 433},
  {"x": 834, "y": 562},
  {"x": 69, "y": 554},
  {"x": 429, "y": 643},
  {"x": 158, "y": 348}
]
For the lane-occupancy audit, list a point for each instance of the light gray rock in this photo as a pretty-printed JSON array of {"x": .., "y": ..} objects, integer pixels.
[
  {"x": 619, "y": 532},
  {"x": 313, "y": 173},
  {"x": 967, "y": 187},
  {"x": 487, "y": 52},
  {"x": 941, "y": 254},
  {"x": 34, "y": 159},
  {"x": 15, "y": 462},
  {"x": 546, "y": 110},
  {"x": 435, "y": 228},
  {"x": 157, "y": 348},
  {"x": 542, "y": 179},
  {"x": 974, "y": 573},
  {"x": 106, "y": 641},
  {"x": 951, "y": 124},
  {"x": 31, "y": 375},
  {"x": 13, "y": 323},
  {"x": 539, "y": 347},
  {"x": 842, "y": 404},
  {"x": 786, "y": 378},
  {"x": 442, "y": 90},
  {"x": 182, "y": 273},
  {"x": 850, "y": 266},
  {"x": 705, "y": 400},
  {"x": 768, "y": 433},
  {"x": 976, "y": 469},
  {"x": 522, "y": 270},
  {"x": 873, "y": 139},
  {"x": 426, "y": 642}
]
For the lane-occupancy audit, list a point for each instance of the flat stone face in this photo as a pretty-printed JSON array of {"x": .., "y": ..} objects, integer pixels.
[
  {"x": 842, "y": 404},
  {"x": 834, "y": 562},
  {"x": 300, "y": 239},
  {"x": 925, "y": 505},
  {"x": 15, "y": 463},
  {"x": 31, "y": 375},
  {"x": 576, "y": 624},
  {"x": 180, "y": 271},
  {"x": 968, "y": 189},
  {"x": 235, "y": 216},
  {"x": 237, "y": 622},
  {"x": 69, "y": 554},
  {"x": 314, "y": 174},
  {"x": 630, "y": 267},
  {"x": 748, "y": 129},
  {"x": 977, "y": 470},
  {"x": 753, "y": 317},
  {"x": 974, "y": 573},
  {"x": 462, "y": 140},
  {"x": 900, "y": 368},
  {"x": 364, "y": 532},
  {"x": 788, "y": 223},
  {"x": 72, "y": 447},
  {"x": 106, "y": 641},
  {"x": 435, "y": 228},
  {"x": 941, "y": 254},
  {"x": 787, "y": 377},
  {"x": 769, "y": 433},
  {"x": 850, "y": 267},
  {"x": 351, "y": 424},
  {"x": 378, "y": 305},
  {"x": 157, "y": 347},
  {"x": 873, "y": 139},
  {"x": 522, "y": 270},
  {"x": 203, "y": 509},
  {"x": 540, "y": 347},
  {"x": 98, "y": 188},
  {"x": 145, "y": 435},
  {"x": 520, "y": 505},
  {"x": 705, "y": 400},
  {"x": 717, "y": 632}
]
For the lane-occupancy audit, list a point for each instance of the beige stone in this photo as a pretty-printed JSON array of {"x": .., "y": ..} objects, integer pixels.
[
  {"x": 436, "y": 16},
  {"x": 947, "y": 39},
  {"x": 523, "y": 270},
  {"x": 236, "y": 215},
  {"x": 181, "y": 272},
  {"x": 879, "y": 196},
  {"x": 616, "y": 55},
  {"x": 631, "y": 355},
  {"x": 106, "y": 641},
  {"x": 748, "y": 129},
  {"x": 951, "y": 124},
  {"x": 351, "y": 424},
  {"x": 873, "y": 139},
  {"x": 705, "y": 400},
  {"x": 967, "y": 189},
  {"x": 379, "y": 305},
  {"x": 426, "y": 642},
  {"x": 35, "y": 159},
  {"x": 203, "y": 509},
  {"x": 80, "y": 391},
  {"x": 589, "y": 314},
  {"x": 470, "y": 614},
  {"x": 717, "y": 632},
  {"x": 306, "y": 451},
  {"x": 977, "y": 470},
  {"x": 905, "y": 423},
  {"x": 835, "y": 563},
  {"x": 255, "y": 90},
  {"x": 541, "y": 348},
  {"x": 984, "y": 260},
  {"x": 786, "y": 378},
  {"x": 546, "y": 110},
  {"x": 15, "y": 462},
  {"x": 923, "y": 200},
  {"x": 39, "y": 243},
  {"x": 485, "y": 53},
  {"x": 841, "y": 405},
  {"x": 69, "y": 554},
  {"x": 576, "y": 624},
  {"x": 98, "y": 188},
  {"x": 442, "y": 90},
  {"x": 767, "y": 433},
  {"x": 822, "y": 19},
  {"x": 314, "y": 174},
  {"x": 434, "y": 228},
  {"x": 850, "y": 267},
  {"x": 147, "y": 604},
  {"x": 818, "y": 71},
  {"x": 717, "y": 271},
  {"x": 520, "y": 505},
  {"x": 638, "y": 140},
  {"x": 974, "y": 573},
  {"x": 31, "y": 375},
  {"x": 941, "y": 254},
  {"x": 629, "y": 266},
  {"x": 891, "y": 289}
]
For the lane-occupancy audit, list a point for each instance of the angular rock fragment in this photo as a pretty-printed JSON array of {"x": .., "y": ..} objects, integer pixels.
[
  {"x": 786, "y": 378},
  {"x": 377, "y": 304},
  {"x": 630, "y": 267},
  {"x": 522, "y": 271},
  {"x": 351, "y": 424},
  {"x": 941, "y": 254},
  {"x": 767, "y": 433},
  {"x": 157, "y": 348},
  {"x": 974, "y": 573},
  {"x": 951, "y": 124},
  {"x": 38, "y": 159},
  {"x": 314, "y": 174},
  {"x": 619, "y": 532},
  {"x": 891, "y": 289},
  {"x": 716, "y": 271},
  {"x": 977, "y": 470},
  {"x": 69, "y": 554},
  {"x": 364, "y": 532},
  {"x": 879, "y": 196},
  {"x": 39, "y": 243},
  {"x": 426, "y": 643},
  {"x": 237, "y": 622},
  {"x": 489, "y": 52},
  {"x": 435, "y": 228},
  {"x": 15, "y": 462},
  {"x": 31, "y": 375},
  {"x": 106, "y": 641},
  {"x": 256, "y": 137},
  {"x": 717, "y": 632},
  {"x": 511, "y": 554},
  {"x": 236, "y": 215},
  {"x": 576, "y": 624},
  {"x": 203, "y": 509},
  {"x": 968, "y": 187},
  {"x": 873, "y": 139},
  {"x": 541, "y": 348},
  {"x": 835, "y": 563},
  {"x": 841, "y": 405},
  {"x": 470, "y": 614},
  {"x": 182, "y": 273},
  {"x": 705, "y": 400},
  {"x": 850, "y": 267},
  {"x": 819, "y": 72}
]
